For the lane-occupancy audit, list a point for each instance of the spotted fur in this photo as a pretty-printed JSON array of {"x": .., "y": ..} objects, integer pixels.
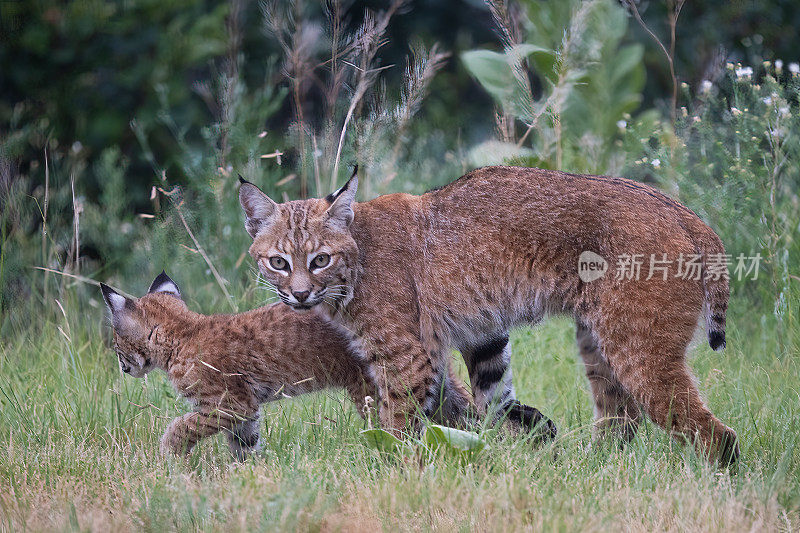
[
  {"x": 226, "y": 366},
  {"x": 459, "y": 266}
]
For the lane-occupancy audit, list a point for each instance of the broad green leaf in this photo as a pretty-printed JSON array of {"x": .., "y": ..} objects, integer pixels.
[
  {"x": 524, "y": 50},
  {"x": 492, "y": 71},
  {"x": 454, "y": 439},
  {"x": 495, "y": 71},
  {"x": 627, "y": 59},
  {"x": 382, "y": 440}
]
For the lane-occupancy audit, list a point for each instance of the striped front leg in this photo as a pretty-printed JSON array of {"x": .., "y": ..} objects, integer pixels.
[
  {"x": 489, "y": 373},
  {"x": 489, "y": 367}
]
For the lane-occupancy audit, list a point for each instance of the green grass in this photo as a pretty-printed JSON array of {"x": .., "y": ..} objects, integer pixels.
[{"x": 78, "y": 453}]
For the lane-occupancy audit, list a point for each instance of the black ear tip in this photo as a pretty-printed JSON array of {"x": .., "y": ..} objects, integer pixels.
[
  {"x": 242, "y": 180},
  {"x": 355, "y": 171},
  {"x": 108, "y": 293},
  {"x": 162, "y": 281}
]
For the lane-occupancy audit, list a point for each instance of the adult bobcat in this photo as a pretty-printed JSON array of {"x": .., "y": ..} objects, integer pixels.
[
  {"x": 411, "y": 276},
  {"x": 227, "y": 365}
]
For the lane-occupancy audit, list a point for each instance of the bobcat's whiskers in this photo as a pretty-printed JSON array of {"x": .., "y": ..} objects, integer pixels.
[{"x": 266, "y": 285}]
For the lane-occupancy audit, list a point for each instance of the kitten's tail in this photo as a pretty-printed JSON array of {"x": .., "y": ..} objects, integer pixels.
[{"x": 715, "y": 284}]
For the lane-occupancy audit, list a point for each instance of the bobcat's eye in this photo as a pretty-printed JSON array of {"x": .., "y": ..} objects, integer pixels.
[
  {"x": 322, "y": 260},
  {"x": 277, "y": 262}
]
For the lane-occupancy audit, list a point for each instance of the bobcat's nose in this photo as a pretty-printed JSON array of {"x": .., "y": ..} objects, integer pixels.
[
  {"x": 301, "y": 296},
  {"x": 126, "y": 368}
]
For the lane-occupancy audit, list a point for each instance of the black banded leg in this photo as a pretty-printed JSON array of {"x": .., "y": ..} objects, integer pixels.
[
  {"x": 492, "y": 386},
  {"x": 243, "y": 438},
  {"x": 489, "y": 373}
]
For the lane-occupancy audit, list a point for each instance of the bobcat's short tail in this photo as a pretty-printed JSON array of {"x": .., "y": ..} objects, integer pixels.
[{"x": 715, "y": 285}]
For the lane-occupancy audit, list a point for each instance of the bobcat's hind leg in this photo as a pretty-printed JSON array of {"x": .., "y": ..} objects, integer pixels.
[
  {"x": 243, "y": 438},
  {"x": 653, "y": 369},
  {"x": 492, "y": 386},
  {"x": 616, "y": 412}
]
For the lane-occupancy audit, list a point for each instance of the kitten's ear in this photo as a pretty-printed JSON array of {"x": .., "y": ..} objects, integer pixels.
[
  {"x": 164, "y": 284},
  {"x": 259, "y": 209},
  {"x": 114, "y": 300},
  {"x": 340, "y": 212}
]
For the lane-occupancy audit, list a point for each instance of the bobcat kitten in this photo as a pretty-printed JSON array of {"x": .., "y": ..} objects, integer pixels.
[
  {"x": 227, "y": 365},
  {"x": 413, "y": 276}
]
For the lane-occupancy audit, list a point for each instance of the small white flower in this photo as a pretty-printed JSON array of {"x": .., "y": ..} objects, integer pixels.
[
  {"x": 656, "y": 163},
  {"x": 778, "y": 64},
  {"x": 767, "y": 100},
  {"x": 745, "y": 72},
  {"x": 794, "y": 68},
  {"x": 695, "y": 119},
  {"x": 621, "y": 124},
  {"x": 735, "y": 111},
  {"x": 783, "y": 110},
  {"x": 705, "y": 86}
]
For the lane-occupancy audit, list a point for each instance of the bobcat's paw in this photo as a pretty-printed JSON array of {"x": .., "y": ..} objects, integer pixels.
[
  {"x": 243, "y": 445},
  {"x": 169, "y": 445},
  {"x": 532, "y": 421}
]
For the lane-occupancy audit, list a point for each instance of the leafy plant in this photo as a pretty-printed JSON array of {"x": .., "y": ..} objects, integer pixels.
[
  {"x": 383, "y": 441},
  {"x": 463, "y": 445},
  {"x": 734, "y": 158},
  {"x": 585, "y": 81},
  {"x": 454, "y": 441},
  {"x": 358, "y": 120}
]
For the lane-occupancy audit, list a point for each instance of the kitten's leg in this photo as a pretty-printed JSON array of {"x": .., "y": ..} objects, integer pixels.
[
  {"x": 243, "y": 438},
  {"x": 493, "y": 389},
  {"x": 184, "y": 432},
  {"x": 615, "y": 410}
]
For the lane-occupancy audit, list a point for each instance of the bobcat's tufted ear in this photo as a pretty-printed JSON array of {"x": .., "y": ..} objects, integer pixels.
[
  {"x": 164, "y": 284},
  {"x": 124, "y": 312},
  {"x": 258, "y": 207},
  {"x": 116, "y": 302},
  {"x": 340, "y": 212}
]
